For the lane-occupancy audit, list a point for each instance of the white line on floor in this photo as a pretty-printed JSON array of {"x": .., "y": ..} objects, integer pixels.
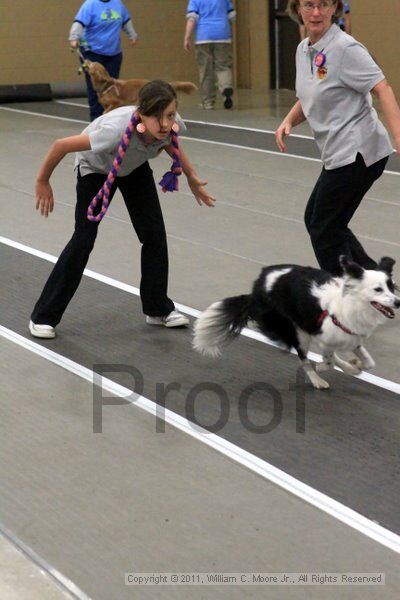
[
  {"x": 243, "y": 128},
  {"x": 386, "y": 384},
  {"x": 262, "y": 150},
  {"x": 69, "y": 103},
  {"x": 35, "y": 114},
  {"x": 193, "y": 139},
  {"x": 62, "y": 582},
  {"x": 210, "y": 123},
  {"x": 264, "y": 469}
]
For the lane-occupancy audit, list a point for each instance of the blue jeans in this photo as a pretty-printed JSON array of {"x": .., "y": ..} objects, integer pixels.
[{"x": 113, "y": 66}]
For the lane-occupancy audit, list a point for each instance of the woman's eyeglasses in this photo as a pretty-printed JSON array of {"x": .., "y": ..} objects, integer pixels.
[{"x": 323, "y": 6}]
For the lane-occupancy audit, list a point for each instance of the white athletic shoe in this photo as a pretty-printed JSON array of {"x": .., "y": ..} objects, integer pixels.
[
  {"x": 174, "y": 319},
  {"x": 42, "y": 331}
]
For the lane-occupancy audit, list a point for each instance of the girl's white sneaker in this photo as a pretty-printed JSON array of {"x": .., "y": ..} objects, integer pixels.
[
  {"x": 174, "y": 319},
  {"x": 42, "y": 331}
]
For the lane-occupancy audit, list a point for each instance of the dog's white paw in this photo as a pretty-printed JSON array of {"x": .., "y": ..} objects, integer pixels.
[
  {"x": 357, "y": 363},
  {"x": 351, "y": 369},
  {"x": 368, "y": 364},
  {"x": 323, "y": 366},
  {"x": 321, "y": 384},
  {"x": 318, "y": 382},
  {"x": 365, "y": 359}
]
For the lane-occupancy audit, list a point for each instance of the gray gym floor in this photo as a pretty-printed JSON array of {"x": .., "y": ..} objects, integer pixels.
[{"x": 152, "y": 493}]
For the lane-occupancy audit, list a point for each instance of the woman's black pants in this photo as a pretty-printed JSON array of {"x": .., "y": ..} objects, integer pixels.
[
  {"x": 141, "y": 199},
  {"x": 333, "y": 202}
]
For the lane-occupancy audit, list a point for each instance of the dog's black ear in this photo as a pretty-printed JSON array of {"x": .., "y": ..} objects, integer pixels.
[
  {"x": 386, "y": 264},
  {"x": 350, "y": 267}
]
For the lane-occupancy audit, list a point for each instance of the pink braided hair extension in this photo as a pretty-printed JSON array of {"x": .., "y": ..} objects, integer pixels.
[
  {"x": 104, "y": 192},
  {"x": 169, "y": 182}
]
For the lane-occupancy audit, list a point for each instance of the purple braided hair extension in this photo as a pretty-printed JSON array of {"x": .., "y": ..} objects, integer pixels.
[
  {"x": 169, "y": 182},
  {"x": 104, "y": 193}
]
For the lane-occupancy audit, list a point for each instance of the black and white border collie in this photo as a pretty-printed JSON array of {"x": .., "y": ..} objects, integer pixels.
[{"x": 294, "y": 306}]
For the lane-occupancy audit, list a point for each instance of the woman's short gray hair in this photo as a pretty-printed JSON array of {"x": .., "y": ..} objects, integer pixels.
[{"x": 293, "y": 11}]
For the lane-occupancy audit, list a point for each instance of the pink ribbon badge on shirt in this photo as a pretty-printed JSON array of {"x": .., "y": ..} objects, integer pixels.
[{"x": 320, "y": 60}]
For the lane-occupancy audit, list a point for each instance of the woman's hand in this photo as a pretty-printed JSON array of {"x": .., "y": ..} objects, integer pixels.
[
  {"x": 44, "y": 197},
  {"x": 293, "y": 118},
  {"x": 189, "y": 29},
  {"x": 283, "y": 131},
  {"x": 187, "y": 44},
  {"x": 198, "y": 191}
]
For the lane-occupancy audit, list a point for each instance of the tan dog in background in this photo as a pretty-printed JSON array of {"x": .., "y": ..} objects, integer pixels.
[{"x": 113, "y": 93}]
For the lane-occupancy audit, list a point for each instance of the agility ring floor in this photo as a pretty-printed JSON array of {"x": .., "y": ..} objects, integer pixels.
[{"x": 123, "y": 451}]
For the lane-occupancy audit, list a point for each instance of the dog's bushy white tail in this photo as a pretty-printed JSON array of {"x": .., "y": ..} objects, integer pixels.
[{"x": 220, "y": 323}]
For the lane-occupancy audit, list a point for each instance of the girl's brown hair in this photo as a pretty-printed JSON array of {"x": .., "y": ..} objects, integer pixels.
[
  {"x": 294, "y": 5},
  {"x": 154, "y": 97}
]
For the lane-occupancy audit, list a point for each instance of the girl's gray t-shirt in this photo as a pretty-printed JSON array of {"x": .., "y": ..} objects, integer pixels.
[
  {"x": 105, "y": 134},
  {"x": 336, "y": 99}
]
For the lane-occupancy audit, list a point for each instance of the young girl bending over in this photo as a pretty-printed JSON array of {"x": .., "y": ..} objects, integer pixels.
[{"x": 113, "y": 152}]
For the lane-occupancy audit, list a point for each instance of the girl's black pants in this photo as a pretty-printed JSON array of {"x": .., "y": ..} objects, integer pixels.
[{"x": 140, "y": 195}]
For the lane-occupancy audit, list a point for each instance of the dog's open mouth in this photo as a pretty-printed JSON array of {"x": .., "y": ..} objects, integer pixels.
[{"x": 385, "y": 310}]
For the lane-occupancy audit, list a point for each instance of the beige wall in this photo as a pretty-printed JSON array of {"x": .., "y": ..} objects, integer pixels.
[
  {"x": 377, "y": 25},
  {"x": 252, "y": 44},
  {"x": 34, "y": 48}
]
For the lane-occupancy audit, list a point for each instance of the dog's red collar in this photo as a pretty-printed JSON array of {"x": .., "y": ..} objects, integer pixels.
[{"x": 322, "y": 316}]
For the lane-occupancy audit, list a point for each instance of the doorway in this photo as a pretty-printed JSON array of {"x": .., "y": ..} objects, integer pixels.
[{"x": 284, "y": 39}]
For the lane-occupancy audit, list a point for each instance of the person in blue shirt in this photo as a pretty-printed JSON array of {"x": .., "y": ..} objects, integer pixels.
[
  {"x": 96, "y": 31},
  {"x": 213, "y": 47},
  {"x": 345, "y": 21}
]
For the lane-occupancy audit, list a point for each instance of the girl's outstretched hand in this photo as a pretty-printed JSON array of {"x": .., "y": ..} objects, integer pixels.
[
  {"x": 44, "y": 197},
  {"x": 198, "y": 191}
]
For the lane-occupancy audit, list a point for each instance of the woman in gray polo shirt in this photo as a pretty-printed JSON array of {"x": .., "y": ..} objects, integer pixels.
[
  {"x": 334, "y": 77},
  {"x": 96, "y": 148}
]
